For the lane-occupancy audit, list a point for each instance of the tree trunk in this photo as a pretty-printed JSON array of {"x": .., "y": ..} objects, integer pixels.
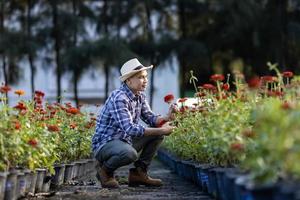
[
  {"x": 76, "y": 69},
  {"x": 106, "y": 67},
  {"x": 3, "y": 54},
  {"x": 75, "y": 87},
  {"x": 153, "y": 56},
  {"x": 182, "y": 59},
  {"x": 57, "y": 50},
  {"x": 106, "y": 72},
  {"x": 30, "y": 55}
]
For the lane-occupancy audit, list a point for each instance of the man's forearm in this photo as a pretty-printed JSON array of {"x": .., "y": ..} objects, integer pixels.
[{"x": 154, "y": 131}]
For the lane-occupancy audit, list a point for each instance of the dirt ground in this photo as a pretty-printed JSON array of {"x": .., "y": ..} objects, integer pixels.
[{"x": 89, "y": 188}]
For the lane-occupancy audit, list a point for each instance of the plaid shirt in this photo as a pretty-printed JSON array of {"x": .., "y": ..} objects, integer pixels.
[{"x": 119, "y": 118}]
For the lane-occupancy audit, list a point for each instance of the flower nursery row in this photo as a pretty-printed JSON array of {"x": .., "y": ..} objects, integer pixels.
[
  {"x": 41, "y": 143},
  {"x": 247, "y": 135}
]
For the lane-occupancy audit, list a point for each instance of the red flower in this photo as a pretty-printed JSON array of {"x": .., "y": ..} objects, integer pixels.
[
  {"x": 237, "y": 146},
  {"x": 72, "y": 110},
  {"x": 181, "y": 100},
  {"x": 269, "y": 79},
  {"x": 286, "y": 105},
  {"x": 169, "y": 98},
  {"x": 21, "y": 106},
  {"x": 208, "y": 86},
  {"x": 200, "y": 94},
  {"x": 53, "y": 128},
  {"x": 5, "y": 89},
  {"x": 33, "y": 142},
  {"x": 275, "y": 93},
  {"x": 217, "y": 77},
  {"x": 226, "y": 86},
  {"x": 254, "y": 82},
  {"x": 39, "y": 93},
  {"x": 288, "y": 74},
  {"x": 38, "y": 99}
]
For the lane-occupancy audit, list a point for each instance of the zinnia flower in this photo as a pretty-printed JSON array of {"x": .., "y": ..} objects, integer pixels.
[
  {"x": 20, "y": 92},
  {"x": 208, "y": 86},
  {"x": 53, "y": 128},
  {"x": 237, "y": 146},
  {"x": 17, "y": 125},
  {"x": 72, "y": 110},
  {"x": 39, "y": 93},
  {"x": 181, "y": 100},
  {"x": 33, "y": 142},
  {"x": 217, "y": 77},
  {"x": 169, "y": 98},
  {"x": 5, "y": 89},
  {"x": 254, "y": 82},
  {"x": 20, "y": 106},
  {"x": 269, "y": 79},
  {"x": 73, "y": 125},
  {"x": 226, "y": 86},
  {"x": 288, "y": 74}
]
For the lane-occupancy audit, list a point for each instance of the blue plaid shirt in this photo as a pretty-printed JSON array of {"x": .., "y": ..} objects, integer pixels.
[{"x": 119, "y": 118}]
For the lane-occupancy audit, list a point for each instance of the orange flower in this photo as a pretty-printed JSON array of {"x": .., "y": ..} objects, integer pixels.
[
  {"x": 17, "y": 125},
  {"x": 53, "y": 128},
  {"x": 5, "y": 89},
  {"x": 19, "y": 92}
]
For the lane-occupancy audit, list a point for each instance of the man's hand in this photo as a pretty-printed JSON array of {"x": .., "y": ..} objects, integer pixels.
[
  {"x": 167, "y": 129},
  {"x": 171, "y": 113}
]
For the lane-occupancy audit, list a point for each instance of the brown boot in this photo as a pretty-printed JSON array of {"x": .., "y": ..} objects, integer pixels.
[
  {"x": 139, "y": 176},
  {"x": 106, "y": 178}
]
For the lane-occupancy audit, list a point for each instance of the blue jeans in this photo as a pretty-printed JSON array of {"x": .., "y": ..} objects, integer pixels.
[{"x": 117, "y": 153}]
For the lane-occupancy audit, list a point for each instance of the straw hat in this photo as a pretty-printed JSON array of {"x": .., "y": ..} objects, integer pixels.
[{"x": 131, "y": 67}]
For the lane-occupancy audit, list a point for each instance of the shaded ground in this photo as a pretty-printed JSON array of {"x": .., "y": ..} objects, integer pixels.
[{"x": 174, "y": 188}]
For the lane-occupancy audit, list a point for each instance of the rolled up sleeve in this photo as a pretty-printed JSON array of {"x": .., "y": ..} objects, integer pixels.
[{"x": 147, "y": 115}]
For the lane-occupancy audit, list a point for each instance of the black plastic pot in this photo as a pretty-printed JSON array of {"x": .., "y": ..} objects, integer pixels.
[
  {"x": 41, "y": 173},
  {"x": 240, "y": 191},
  {"x": 58, "y": 178},
  {"x": 3, "y": 176},
  {"x": 212, "y": 182},
  {"x": 261, "y": 192},
  {"x": 204, "y": 177},
  {"x": 287, "y": 191},
  {"x": 21, "y": 185},
  {"x": 68, "y": 172},
  {"x": 11, "y": 185},
  {"x": 229, "y": 177}
]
